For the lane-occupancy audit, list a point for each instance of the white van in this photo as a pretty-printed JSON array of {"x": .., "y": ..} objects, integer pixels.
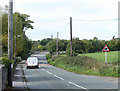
[{"x": 32, "y": 62}]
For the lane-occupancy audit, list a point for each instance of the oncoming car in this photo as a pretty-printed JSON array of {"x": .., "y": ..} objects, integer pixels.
[{"x": 32, "y": 62}]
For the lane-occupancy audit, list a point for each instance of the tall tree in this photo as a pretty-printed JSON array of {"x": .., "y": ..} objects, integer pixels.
[{"x": 20, "y": 22}]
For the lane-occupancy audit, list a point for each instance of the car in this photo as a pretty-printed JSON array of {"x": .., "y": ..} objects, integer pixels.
[{"x": 32, "y": 62}]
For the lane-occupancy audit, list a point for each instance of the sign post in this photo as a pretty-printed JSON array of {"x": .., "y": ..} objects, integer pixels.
[
  {"x": 106, "y": 60},
  {"x": 106, "y": 49}
]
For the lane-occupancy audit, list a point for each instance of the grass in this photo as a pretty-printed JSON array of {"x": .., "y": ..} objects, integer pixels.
[
  {"x": 62, "y": 54},
  {"x": 85, "y": 65},
  {"x": 111, "y": 56}
]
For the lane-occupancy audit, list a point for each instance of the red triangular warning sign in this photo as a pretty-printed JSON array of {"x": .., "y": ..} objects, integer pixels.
[{"x": 106, "y": 49}]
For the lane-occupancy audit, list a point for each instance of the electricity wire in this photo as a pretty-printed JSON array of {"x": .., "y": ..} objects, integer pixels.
[{"x": 98, "y": 20}]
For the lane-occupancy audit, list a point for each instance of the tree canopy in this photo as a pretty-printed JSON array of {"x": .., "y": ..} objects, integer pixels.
[{"x": 21, "y": 23}]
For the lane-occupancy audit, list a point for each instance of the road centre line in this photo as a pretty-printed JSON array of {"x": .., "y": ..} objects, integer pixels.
[
  {"x": 78, "y": 85},
  {"x": 43, "y": 69},
  {"x": 54, "y": 75},
  {"x": 48, "y": 72},
  {"x": 59, "y": 77},
  {"x": 68, "y": 82}
]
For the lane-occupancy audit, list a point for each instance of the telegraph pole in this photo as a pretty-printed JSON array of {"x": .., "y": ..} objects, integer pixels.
[
  {"x": 0, "y": 33},
  {"x": 51, "y": 36},
  {"x": 57, "y": 45},
  {"x": 36, "y": 46},
  {"x": 15, "y": 41},
  {"x": 10, "y": 40},
  {"x": 71, "y": 35}
]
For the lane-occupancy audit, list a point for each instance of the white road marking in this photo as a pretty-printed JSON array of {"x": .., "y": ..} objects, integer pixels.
[
  {"x": 78, "y": 85},
  {"x": 68, "y": 82},
  {"x": 59, "y": 77},
  {"x": 17, "y": 75},
  {"x": 43, "y": 69},
  {"x": 48, "y": 72}
]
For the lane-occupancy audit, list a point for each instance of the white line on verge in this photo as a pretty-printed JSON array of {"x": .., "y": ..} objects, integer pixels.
[
  {"x": 59, "y": 77},
  {"x": 77, "y": 85}
]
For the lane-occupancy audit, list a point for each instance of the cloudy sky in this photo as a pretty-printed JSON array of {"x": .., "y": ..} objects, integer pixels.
[{"x": 52, "y": 16}]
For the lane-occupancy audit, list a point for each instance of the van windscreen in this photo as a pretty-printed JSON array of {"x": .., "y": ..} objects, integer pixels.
[{"x": 32, "y": 60}]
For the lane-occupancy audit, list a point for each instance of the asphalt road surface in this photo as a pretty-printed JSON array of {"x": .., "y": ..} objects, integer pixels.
[{"x": 50, "y": 77}]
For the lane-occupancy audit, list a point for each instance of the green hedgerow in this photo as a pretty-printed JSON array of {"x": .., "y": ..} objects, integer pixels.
[{"x": 6, "y": 62}]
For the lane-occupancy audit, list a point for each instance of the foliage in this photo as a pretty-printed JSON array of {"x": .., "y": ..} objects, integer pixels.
[
  {"x": 48, "y": 56},
  {"x": 40, "y": 45},
  {"x": 21, "y": 23},
  {"x": 91, "y": 46},
  {"x": 6, "y": 61},
  {"x": 85, "y": 65},
  {"x": 119, "y": 44},
  {"x": 52, "y": 46},
  {"x": 45, "y": 41},
  {"x": 62, "y": 44},
  {"x": 26, "y": 24}
]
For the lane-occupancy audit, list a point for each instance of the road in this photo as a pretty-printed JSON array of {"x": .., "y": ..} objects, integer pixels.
[{"x": 50, "y": 77}]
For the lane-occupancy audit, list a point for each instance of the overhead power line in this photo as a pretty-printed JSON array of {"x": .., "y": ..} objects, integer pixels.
[
  {"x": 98, "y": 20},
  {"x": 63, "y": 30}
]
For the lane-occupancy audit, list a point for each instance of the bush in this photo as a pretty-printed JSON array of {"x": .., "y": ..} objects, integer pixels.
[
  {"x": 18, "y": 59},
  {"x": 85, "y": 65},
  {"x": 48, "y": 56},
  {"x": 6, "y": 61}
]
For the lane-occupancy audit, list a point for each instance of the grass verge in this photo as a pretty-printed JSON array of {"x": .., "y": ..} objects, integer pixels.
[{"x": 84, "y": 65}]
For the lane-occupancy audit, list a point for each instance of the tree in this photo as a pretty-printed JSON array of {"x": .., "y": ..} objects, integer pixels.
[
  {"x": 78, "y": 47},
  {"x": 52, "y": 46},
  {"x": 118, "y": 45},
  {"x": 45, "y": 41},
  {"x": 40, "y": 47},
  {"x": 62, "y": 45},
  {"x": 26, "y": 23},
  {"x": 21, "y": 21},
  {"x": 113, "y": 44}
]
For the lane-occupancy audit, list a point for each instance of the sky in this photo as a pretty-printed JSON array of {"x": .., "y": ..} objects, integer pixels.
[{"x": 52, "y": 16}]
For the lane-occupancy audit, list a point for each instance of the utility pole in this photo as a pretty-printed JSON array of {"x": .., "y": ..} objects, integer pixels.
[
  {"x": 10, "y": 40},
  {"x": 71, "y": 35},
  {"x": 15, "y": 41},
  {"x": 57, "y": 45},
  {"x": 0, "y": 33},
  {"x": 51, "y": 36},
  {"x": 36, "y": 46}
]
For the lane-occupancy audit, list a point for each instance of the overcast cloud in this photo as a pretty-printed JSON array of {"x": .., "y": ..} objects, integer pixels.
[{"x": 52, "y": 16}]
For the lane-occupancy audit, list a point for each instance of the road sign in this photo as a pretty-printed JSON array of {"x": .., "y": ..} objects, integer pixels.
[{"x": 106, "y": 49}]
